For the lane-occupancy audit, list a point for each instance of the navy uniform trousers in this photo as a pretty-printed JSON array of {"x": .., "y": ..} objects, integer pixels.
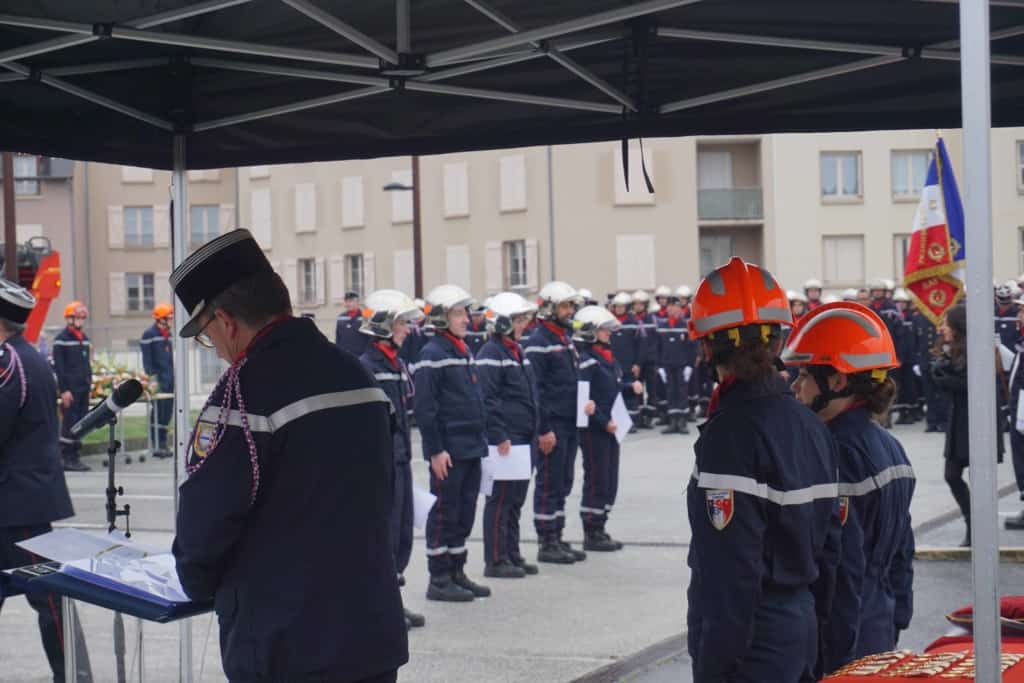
[
  {"x": 600, "y": 477},
  {"x": 554, "y": 478},
  {"x": 71, "y": 447},
  {"x": 402, "y": 516},
  {"x": 501, "y": 521},
  {"x": 450, "y": 521}
]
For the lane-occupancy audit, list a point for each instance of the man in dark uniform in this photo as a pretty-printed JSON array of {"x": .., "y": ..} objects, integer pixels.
[
  {"x": 905, "y": 340},
  {"x": 476, "y": 334},
  {"x": 647, "y": 357},
  {"x": 346, "y": 331},
  {"x": 32, "y": 489},
  {"x": 1006, "y": 315},
  {"x": 389, "y": 316},
  {"x": 72, "y": 363},
  {"x": 158, "y": 362},
  {"x": 283, "y": 524},
  {"x": 935, "y": 401},
  {"x": 676, "y": 360},
  {"x": 626, "y": 347}
]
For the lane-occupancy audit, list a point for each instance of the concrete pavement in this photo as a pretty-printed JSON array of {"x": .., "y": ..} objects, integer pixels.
[{"x": 566, "y": 623}]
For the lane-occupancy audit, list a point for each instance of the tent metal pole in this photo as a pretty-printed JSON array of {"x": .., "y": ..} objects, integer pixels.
[
  {"x": 403, "y": 26},
  {"x": 43, "y": 47},
  {"x": 182, "y": 411},
  {"x": 46, "y": 24},
  {"x": 101, "y": 67},
  {"x": 544, "y": 32},
  {"x": 584, "y": 105},
  {"x": 185, "y": 12},
  {"x": 976, "y": 109},
  {"x": 345, "y": 30},
  {"x": 295, "y": 72},
  {"x": 290, "y": 108}
]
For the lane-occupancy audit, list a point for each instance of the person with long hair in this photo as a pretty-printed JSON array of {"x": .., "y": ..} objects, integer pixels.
[
  {"x": 844, "y": 353},
  {"x": 949, "y": 372}
]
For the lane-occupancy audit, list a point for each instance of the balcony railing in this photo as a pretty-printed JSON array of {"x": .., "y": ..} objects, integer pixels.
[{"x": 739, "y": 203}]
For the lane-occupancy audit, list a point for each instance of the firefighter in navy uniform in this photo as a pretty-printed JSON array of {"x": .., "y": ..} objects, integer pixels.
[
  {"x": 33, "y": 492},
  {"x": 555, "y": 365},
  {"x": 452, "y": 421},
  {"x": 510, "y": 399},
  {"x": 1006, "y": 315},
  {"x": 844, "y": 351},
  {"x": 905, "y": 341},
  {"x": 476, "y": 334},
  {"x": 158, "y": 362},
  {"x": 762, "y": 500},
  {"x": 701, "y": 382},
  {"x": 1015, "y": 382},
  {"x": 812, "y": 290},
  {"x": 935, "y": 402},
  {"x": 346, "y": 330},
  {"x": 661, "y": 295},
  {"x": 626, "y": 346},
  {"x": 388, "y": 317},
  {"x": 72, "y": 363},
  {"x": 676, "y": 357},
  {"x": 283, "y": 524},
  {"x": 647, "y": 352},
  {"x": 594, "y": 329}
]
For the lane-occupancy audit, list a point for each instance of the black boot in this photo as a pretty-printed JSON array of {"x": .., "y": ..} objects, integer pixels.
[
  {"x": 530, "y": 569},
  {"x": 683, "y": 429},
  {"x": 460, "y": 579},
  {"x": 577, "y": 555},
  {"x": 1016, "y": 522},
  {"x": 645, "y": 421},
  {"x": 504, "y": 570},
  {"x": 618, "y": 544},
  {"x": 551, "y": 551},
  {"x": 599, "y": 542},
  {"x": 966, "y": 543},
  {"x": 443, "y": 589},
  {"x": 75, "y": 464},
  {"x": 673, "y": 425},
  {"x": 415, "y": 620}
]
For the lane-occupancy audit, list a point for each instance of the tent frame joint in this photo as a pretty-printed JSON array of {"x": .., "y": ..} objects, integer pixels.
[
  {"x": 912, "y": 52},
  {"x": 409, "y": 64},
  {"x": 103, "y": 31}
]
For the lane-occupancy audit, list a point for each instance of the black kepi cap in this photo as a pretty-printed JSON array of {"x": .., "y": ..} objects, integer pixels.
[
  {"x": 214, "y": 267},
  {"x": 16, "y": 302}
]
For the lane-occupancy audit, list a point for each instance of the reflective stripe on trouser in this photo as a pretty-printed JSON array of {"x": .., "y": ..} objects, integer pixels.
[
  {"x": 501, "y": 520},
  {"x": 554, "y": 478},
  {"x": 677, "y": 390},
  {"x": 600, "y": 477},
  {"x": 69, "y": 447},
  {"x": 159, "y": 418},
  {"x": 402, "y": 516},
  {"x": 450, "y": 521},
  {"x": 653, "y": 387}
]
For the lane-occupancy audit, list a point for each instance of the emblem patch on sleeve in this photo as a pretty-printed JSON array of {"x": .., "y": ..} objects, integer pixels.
[
  {"x": 204, "y": 438},
  {"x": 844, "y": 509},
  {"x": 720, "y": 507}
]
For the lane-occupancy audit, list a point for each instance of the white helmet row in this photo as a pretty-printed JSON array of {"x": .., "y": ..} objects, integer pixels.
[
  {"x": 444, "y": 299},
  {"x": 622, "y": 299},
  {"x": 1006, "y": 290},
  {"x": 551, "y": 295},
  {"x": 503, "y": 308},
  {"x": 587, "y": 296},
  {"x": 383, "y": 307},
  {"x": 901, "y": 295},
  {"x": 684, "y": 292},
  {"x": 812, "y": 284},
  {"x": 795, "y": 296},
  {"x": 589, "y": 319},
  {"x": 641, "y": 296},
  {"x": 850, "y": 294},
  {"x": 662, "y": 291}
]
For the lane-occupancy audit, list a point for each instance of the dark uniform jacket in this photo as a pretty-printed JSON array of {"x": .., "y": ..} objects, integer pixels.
[
  {"x": 392, "y": 376},
  {"x": 764, "y": 513},
  {"x": 874, "y": 585},
  {"x": 32, "y": 487},
  {"x": 158, "y": 357},
  {"x": 599, "y": 367},
  {"x": 510, "y": 393},
  {"x": 925, "y": 334},
  {"x": 953, "y": 381},
  {"x": 476, "y": 336},
  {"x": 647, "y": 331},
  {"x": 627, "y": 343},
  {"x": 1006, "y": 324},
  {"x": 71, "y": 362},
  {"x": 302, "y": 574},
  {"x": 676, "y": 349},
  {"x": 554, "y": 360},
  {"x": 449, "y": 404},
  {"x": 347, "y": 335}
]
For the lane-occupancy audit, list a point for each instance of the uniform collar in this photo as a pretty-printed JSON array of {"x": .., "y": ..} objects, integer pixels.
[
  {"x": 511, "y": 345},
  {"x": 386, "y": 349},
  {"x": 732, "y": 391},
  {"x": 602, "y": 351},
  {"x": 458, "y": 344},
  {"x": 556, "y": 330},
  {"x": 279, "y": 329},
  {"x": 76, "y": 333},
  {"x": 857, "y": 414}
]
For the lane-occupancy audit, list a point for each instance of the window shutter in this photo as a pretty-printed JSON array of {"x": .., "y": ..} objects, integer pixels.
[
  {"x": 305, "y": 207},
  {"x": 115, "y": 226},
  {"x": 321, "y": 288},
  {"x": 291, "y": 278},
  {"x": 369, "y": 273},
  {"x": 352, "y": 210},
  {"x": 117, "y": 294},
  {"x": 162, "y": 288},
  {"x": 259, "y": 202},
  {"x": 401, "y": 200},
  {"x": 404, "y": 277},
  {"x": 532, "y": 265},
  {"x": 635, "y": 261},
  {"x": 225, "y": 218},
  {"x": 162, "y": 225},
  {"x": 512, "y": 172},
  {"x": 457, "y": 262},
  {"x": 494, "y": 263},
  {"x": 456, "y": 190},
  {"x": 336, "y": 278}
]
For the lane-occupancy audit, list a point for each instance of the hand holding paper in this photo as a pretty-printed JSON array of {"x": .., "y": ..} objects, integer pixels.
[
  {"x": 515, "y": 466},
  {"x": 582, "y": 398}
]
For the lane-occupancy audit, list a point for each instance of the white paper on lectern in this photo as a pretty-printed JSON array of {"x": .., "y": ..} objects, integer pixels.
[
  {"x": 582, "y": 396},
  {"x": 516, "y": 465},
  {"x": 153, "y": 576},
  {"x": 65, "y": 545},
  {"x": 621, "y": 418},
  {"x": 422, "y": 502}
]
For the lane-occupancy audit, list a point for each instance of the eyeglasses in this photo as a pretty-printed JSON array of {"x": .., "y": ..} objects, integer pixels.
[{"x": 202, "y": 338}]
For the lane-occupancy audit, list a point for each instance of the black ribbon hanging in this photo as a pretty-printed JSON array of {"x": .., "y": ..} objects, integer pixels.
[{"x": 641, "y": 32}]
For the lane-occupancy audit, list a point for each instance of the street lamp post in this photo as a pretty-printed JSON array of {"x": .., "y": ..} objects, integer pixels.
[{"x": 417, "y": 250}]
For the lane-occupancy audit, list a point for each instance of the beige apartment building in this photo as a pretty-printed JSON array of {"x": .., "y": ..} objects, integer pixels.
[{"x": 837, "y": 206}]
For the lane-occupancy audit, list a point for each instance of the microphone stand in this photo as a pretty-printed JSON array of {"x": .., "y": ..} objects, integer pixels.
[{"x": 113, "y": 445}]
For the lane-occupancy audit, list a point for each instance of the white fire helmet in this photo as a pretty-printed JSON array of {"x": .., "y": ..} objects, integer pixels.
[
  {"x": 443, "y": 299},
  {"x": 551, "y": 295},
  {"x": 589, "y": 319},
  {"x": 502, "y": 308},
  {"x": 383, "y": 307}
]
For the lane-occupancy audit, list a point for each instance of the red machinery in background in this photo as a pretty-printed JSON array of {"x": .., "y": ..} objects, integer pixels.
[{"x": 39, "y": 272}]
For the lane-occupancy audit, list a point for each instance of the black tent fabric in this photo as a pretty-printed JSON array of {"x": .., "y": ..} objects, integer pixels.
[{"x": 853, "y": 65}]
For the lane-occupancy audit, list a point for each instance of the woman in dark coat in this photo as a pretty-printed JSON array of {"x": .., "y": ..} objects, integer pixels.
[{"x": 949, "y": 371}]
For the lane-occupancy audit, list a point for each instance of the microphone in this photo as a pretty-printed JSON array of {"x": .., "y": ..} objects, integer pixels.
[{"x": 124, "y": 395}]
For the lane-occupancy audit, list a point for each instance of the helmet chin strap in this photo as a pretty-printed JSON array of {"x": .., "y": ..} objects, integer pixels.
[{"x": 825, "y": 393}]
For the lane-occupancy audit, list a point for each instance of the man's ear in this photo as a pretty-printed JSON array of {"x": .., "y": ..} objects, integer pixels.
[
  {"x": 230, "y": 322},
  {"x": 838, "y": 381}
]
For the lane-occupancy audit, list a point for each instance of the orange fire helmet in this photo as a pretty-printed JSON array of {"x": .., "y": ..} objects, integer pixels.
[
  {"x": 75, "y": 308},
  {"x": 735, "y": 295},
  {"x": 844, "y": 335},
  {"x": 163, "y": 311}
]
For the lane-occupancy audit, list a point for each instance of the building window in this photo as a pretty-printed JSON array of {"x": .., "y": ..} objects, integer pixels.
[
  {"x": 139, "y": 292},
  {"x": 308, "y": 279},
  {"x": 843, "y": 260},
  {"x": 909, "y": 170},
  {"x": 900, "y": 247},
  {"x": 204, "y": 223},
  {"x": 515, "y": 265},
  {"x": 354, "y": 273},
  {"x": 138, "y": 226},
  {"x": 211, "y": 367},
  {"x": 840, "y": 175},
  {"x": 26, "y": 175}
]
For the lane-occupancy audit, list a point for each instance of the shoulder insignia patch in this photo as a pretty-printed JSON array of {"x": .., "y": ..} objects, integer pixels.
[
  {"x": 720, "y": 507},
  {"x": 844, "y": 509},
  {"x": 204, "y": 438}
]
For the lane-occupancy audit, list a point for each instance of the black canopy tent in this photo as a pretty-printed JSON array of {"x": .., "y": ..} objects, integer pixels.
[{"x": 199, "y": 84}]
